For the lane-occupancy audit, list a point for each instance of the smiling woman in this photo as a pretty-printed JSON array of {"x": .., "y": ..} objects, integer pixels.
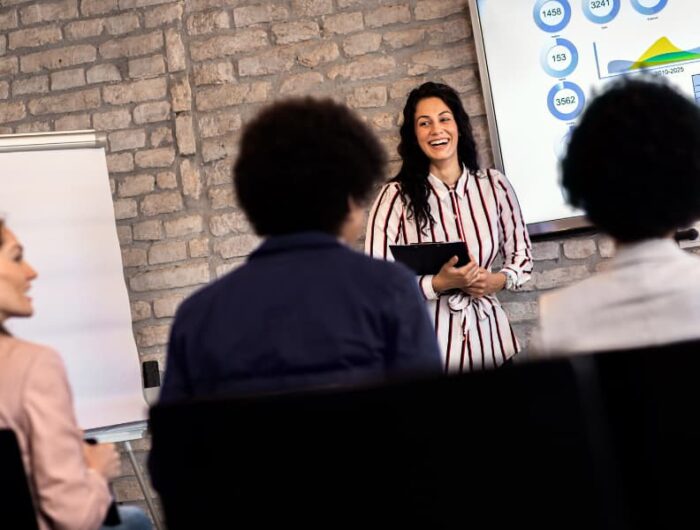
[{"x": 441, "y": 194}]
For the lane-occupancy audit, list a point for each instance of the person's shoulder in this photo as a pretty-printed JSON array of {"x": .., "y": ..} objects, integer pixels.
[
  {"x": 25, "y": 357},
  {"x": 388, "y": 273},
  {"x": 203, "y": 297}
]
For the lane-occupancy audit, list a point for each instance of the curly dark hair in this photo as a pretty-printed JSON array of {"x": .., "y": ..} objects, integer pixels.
[
  {"x": 633, "y": 162},
  {"x": 299, "y": 163},
  {"x": 415, "y": 165}
]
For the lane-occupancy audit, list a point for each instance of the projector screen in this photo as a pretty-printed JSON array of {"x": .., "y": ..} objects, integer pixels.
[{"x": 542, "y": 60}]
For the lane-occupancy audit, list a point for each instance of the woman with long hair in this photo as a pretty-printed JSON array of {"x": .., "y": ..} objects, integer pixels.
[
  {"x": 441, "y": 194},
  {"x": 67, "y": 478}
]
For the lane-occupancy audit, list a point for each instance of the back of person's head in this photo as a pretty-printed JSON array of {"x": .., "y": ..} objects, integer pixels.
[
  {"x": 633, "y": 162},
  {"x": 301, "y": 162}
]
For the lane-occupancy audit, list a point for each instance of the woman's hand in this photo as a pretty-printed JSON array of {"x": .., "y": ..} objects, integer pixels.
[
  {"x": 486, "y": 283},
  {"x": 103, "y": 458},
  {"x": 451, "y": 277}
]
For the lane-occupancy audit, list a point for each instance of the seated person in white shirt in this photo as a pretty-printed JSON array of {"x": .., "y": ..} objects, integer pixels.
[{"x": 633, "y": 166}]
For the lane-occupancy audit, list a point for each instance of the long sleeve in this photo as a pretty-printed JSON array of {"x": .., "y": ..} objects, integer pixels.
[
  {"x": 70, "y": 495},
  {"x": 176, "y": 381},
  {"x": 385, "y": 227},
  {"x": 515, "y": 241}
]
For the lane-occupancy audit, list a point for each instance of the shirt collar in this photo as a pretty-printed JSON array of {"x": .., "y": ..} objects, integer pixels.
[
  {"x": 660, "y": 249},
  {"x": 297, "y": 240},
  {"x": 443, "y": 190}
]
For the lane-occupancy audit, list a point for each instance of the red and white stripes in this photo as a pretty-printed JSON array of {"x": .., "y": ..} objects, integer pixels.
[{"x": 483, "y": 211}]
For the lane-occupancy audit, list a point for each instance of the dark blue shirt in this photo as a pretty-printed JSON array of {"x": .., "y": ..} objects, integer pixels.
[{"x": 304, "y": 311}]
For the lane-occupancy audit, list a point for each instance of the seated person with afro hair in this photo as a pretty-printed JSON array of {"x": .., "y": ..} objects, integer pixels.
[
  {"x": 633, "y": 166},
  {"x": 305, "y": 310}
]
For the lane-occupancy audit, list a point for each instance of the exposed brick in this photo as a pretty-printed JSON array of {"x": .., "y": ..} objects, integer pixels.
[
  {"x": 191, "y": 179},
  {"x": 125, "y": 209},
  {"x": 312, "y": 8},
  {"x": 58, "y": 58},
  {"x": 383, "y": 120},
  {"x": 145, "y": 337},
  {"x": 67, "y": 79},
  {"x": 140, "y": 310},
  {"x": 34, "y": 85},
  {"x": 164, "y": 202},
  {"x": 159, "y": 157},
  {"x": 400, "y": 89},
  {"x": 184, "y": 226},
  {"x": 132, "y": 46},
  {"x": 221, "y": 122},
  {"x": 199, "y": 248},
  {"x": 215, "y": 73},
  {"x": 228, "y": 266},
  {"x": 120, "y": 163},
  {"x": 134, "y": 257},
  {"x": 132, "y": 4},
  {"x": 147, "y": 66},
  {"x": 182, "y": 276},
  {"x": 122, "y": 24},
  {"x": 462, "y": 80},
  {"x": 550, "y": 279},
  {"x": 13, "y": 111},
  {"x": 313, "y": 55},
  {"x": 181, "y": 94},
  {"x": 236, "y": 246},
  {"x": 233, "y": 222},
  {"x": 291, "y": 32},
  {"x": 124, "y": 235},
  {"x": 70, "y": 102},
  {"x": 269, "y": 62},
  {"x": 148, "y": 231},
  {"x": 34, "y": 126},
  {"x": 228, "y": 95},
  {"x": 366, "y": 97},
  {"x": 221, "y": 197},
  {"x": 8, "y": 20},
  {"x": 135, "y": 92},
  {"x": 152, "y": 112},
  {"x": 161, "y": 136},
  {"x": 545, "y": 250},
  {"x": 112, "y": 120},
  {"x": 162, "y": 15},
  {"x": 431, "y": 9},
  {"x": 3, "y": 44},
  {"x": 184, "y": 133},
  {"x": 443, "y": 58},
  {"x": 219, "y": 147},
  {"x": 8, "y": 65},
  {"x": 175, "y": 50},
  {"x": 166, "y": 307},
  {"x": 34, "y": 37},
  {"x": 84, "y": 29},
  {"x": 521, "y": 311},
  {"x": 103, "y": 72},
  {"x": 223, "y": 45},
  {"x": 166, "y": 180},
  {"x": 4, "y": 89},
  {"x": 73, "y": 122},
  {"x": 136, "y": 185},
  {"x": 343, "y": 23},
  {"x": 208, "y": 22},
  {"x": 125, "y": 140},
  {"x": 200, "y": 5},
  {"x": 448, "y": 32},
  {"x": 300, "y": 84},
  {"x": 362, "y": 43},
  {"x": 167, "y": 252},
  {"x": 606, "y": 247},
  {"x": 48, "y": 11},
  {"x": 386, "y": 15},
  {"x": 579, "y": 248},
  {"x": 255, "y": 14},
  {"x": 98, "y": 7},
  {"x": 364, "y": 68},
  {"x": 404, "y": 38}
]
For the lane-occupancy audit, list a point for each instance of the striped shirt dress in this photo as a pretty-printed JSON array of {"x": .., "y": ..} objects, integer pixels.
[{"x": 482, "y": 210}]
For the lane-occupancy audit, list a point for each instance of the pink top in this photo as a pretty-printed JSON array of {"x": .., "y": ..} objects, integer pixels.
[{"x": 36, "y": 403}]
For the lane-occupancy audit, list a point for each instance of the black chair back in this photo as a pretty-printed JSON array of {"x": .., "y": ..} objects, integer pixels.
[{"x": 16, "y": 507}]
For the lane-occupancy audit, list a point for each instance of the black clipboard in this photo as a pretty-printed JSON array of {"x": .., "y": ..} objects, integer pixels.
[{"x": 428, "y": 258}]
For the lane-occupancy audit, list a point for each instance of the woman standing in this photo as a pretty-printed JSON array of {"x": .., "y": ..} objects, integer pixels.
[{"x": 440, "y": 194}]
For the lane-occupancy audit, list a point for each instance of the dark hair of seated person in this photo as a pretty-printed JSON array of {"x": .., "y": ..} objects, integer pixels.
[
  {"x": 300, "y": 162},
  {"x": 633, "y": 162}
]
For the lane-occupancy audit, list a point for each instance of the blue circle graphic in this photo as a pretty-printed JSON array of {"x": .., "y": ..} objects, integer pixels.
[
  {"x": 547, "y": 54},
  {"x": 559, "y": 11},
  {"x": 579, "y": 102},
  {"x": 649, "y": 10},
  {"x": 589, "y": 5}
]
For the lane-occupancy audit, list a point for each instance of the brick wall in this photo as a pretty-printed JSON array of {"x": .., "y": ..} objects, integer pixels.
[{"x": 173, "y": 82}]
